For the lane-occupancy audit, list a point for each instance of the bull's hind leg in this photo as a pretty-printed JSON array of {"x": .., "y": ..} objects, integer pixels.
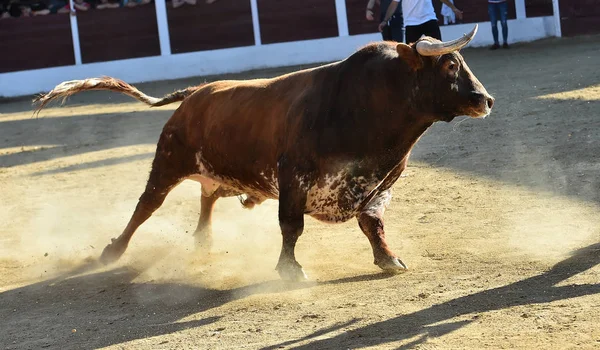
[
  {"x": 170, "y": 166},
  {"x": 370, "y": 221},
  {"x": 203, "y": 233}
]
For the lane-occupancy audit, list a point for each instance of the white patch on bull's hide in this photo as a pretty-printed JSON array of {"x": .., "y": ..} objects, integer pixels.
[
  {"x": 256, "y": 191},
  {"x": 379, "y": 204},
  {"x": 302, "y": 182},
  {"x": 336, "y": 197},
  {"x": 209, "y": 186},
  {"x": 251, "y": 190},
  {"x": 271, "y": 181},
  {"x": 203, "y": 167}
]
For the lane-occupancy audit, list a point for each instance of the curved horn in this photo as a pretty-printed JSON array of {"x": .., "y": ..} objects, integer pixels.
[{"x": 427, "y": 48}]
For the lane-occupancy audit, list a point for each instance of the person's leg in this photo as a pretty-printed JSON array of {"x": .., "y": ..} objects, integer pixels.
[
  {"x": 386, "y": 33},
  {"x": 412, "y": 34},
  {"x": 492, "y": 12},
  {"x": 432, "y": 29},
  {"x": 397, "y": 29},
  {"x": 503, "y": 9}
]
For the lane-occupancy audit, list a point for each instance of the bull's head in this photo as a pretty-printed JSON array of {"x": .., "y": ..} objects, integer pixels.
[{"x": 444, "y": 79}]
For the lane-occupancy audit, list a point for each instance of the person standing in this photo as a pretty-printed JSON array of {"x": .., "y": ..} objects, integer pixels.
[
  {"x": 447, "y": 13},
  {"x": 419, "y": 18},
  {"x": 394, "y": 28},
  {"x": 498, "y": 9}
]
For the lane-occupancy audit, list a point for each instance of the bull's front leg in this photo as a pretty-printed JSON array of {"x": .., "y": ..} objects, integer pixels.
[
  {"x": 370, "y": 221},
  {"x": 292, "y": 204}
]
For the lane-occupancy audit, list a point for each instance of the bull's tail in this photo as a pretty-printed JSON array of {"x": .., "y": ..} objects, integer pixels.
[{"x": 68, "y": 88}]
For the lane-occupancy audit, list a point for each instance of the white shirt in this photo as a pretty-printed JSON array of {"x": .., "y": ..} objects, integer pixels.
[
  {"x": 416, "y": 12},
  {"x": 449, "y": 15}
]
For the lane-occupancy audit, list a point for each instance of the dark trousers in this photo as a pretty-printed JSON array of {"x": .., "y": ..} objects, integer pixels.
[
  {"x": 394, "y": 31},
  {"x": 429, "y": 28},
  {"x": 499, "y": 10}
]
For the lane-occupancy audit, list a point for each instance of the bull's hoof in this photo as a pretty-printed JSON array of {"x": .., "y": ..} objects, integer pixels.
[
  {"x": 112, "y": 252},
  {"x": 291, "y": 272},
  {"x": 202, "y": 243},
  {"x": 391, "y": 264}
]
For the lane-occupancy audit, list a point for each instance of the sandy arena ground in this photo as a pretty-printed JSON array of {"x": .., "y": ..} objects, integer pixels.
[{"x": 498, "y": 220}]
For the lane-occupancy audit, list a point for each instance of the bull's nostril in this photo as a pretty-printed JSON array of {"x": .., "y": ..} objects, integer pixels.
[{"x": 490, "y": 102}]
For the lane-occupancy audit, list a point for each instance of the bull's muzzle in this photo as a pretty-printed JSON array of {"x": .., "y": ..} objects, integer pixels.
[{"x": 482, "y": 104}]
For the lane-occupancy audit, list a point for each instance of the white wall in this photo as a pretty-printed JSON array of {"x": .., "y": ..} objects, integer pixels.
[
  {"x": 240, "y": 59},
  {"x": 519, "y": 30}
]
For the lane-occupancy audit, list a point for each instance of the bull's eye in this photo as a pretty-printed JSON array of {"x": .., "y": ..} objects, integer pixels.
[{"x": 451, "y": 69}]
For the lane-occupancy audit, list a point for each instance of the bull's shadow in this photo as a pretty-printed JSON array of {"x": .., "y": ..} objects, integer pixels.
[
  {"x": 422, "y": 324},
  {"x": 109, "y": 307}
]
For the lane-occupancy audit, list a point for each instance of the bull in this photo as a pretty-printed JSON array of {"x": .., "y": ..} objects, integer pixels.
[{"x": 328, "y": 142}]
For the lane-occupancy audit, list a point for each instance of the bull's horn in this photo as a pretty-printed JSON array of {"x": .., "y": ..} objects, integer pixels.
[{"x": 427, "y": 48}]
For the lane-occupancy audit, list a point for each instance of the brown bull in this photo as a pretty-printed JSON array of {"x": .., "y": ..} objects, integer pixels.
[{"x": 327, "y": 142}]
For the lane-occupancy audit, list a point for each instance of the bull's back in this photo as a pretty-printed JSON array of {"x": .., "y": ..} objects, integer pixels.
[{"x": 237, "y": 129}]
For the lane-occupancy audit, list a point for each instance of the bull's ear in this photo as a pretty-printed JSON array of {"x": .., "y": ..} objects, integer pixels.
[{"x": 410, "y": 56}]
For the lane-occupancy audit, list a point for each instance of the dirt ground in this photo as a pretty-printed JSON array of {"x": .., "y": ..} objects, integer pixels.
[{"x": 497, "y": 219}]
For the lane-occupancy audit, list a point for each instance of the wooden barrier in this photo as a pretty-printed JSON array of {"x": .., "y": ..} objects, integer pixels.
[
  {"x": 284, "y": 21},
  {"x": 580, "y": 17},
  {"x": 538, "y": 8},
  {"x": 357, "y": 24},
  {"x": 219, "y": 25},
  {"x": 35, "y": 42},
  {"x": 113, "y": 34}
]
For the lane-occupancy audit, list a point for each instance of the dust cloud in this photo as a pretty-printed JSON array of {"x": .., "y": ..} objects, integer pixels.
[
  {"x": 65, "y": 234},
  {"x": 551, "y": 231},
  {"x": 56, "y": 235},
  {"x": 245, "y": 242},
  {"x": 556, "y": 213}
]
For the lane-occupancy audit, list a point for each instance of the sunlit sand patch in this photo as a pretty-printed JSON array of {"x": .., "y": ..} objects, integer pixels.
[
  {"x": 94, "y": 159},
  {"x": 102, "y": 163},
  {"x": 591, "y": 93},
  {"x": 512, "y": 219},
  {"x": 79, "y": 110},
  {"x": 27, "y": 148},
  {"x": 551, "y": 229}
]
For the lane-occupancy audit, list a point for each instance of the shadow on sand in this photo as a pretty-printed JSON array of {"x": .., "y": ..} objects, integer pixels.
[
  {"x": 424, "y": 323},
  {"x": 109, "y": 307}
]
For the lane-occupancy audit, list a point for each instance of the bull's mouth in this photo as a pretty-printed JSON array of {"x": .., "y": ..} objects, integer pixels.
[
  {"x": 476, "y": 112},
  {"x": 481, "y": 109},
  {"x": 479, "y": 113}
]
